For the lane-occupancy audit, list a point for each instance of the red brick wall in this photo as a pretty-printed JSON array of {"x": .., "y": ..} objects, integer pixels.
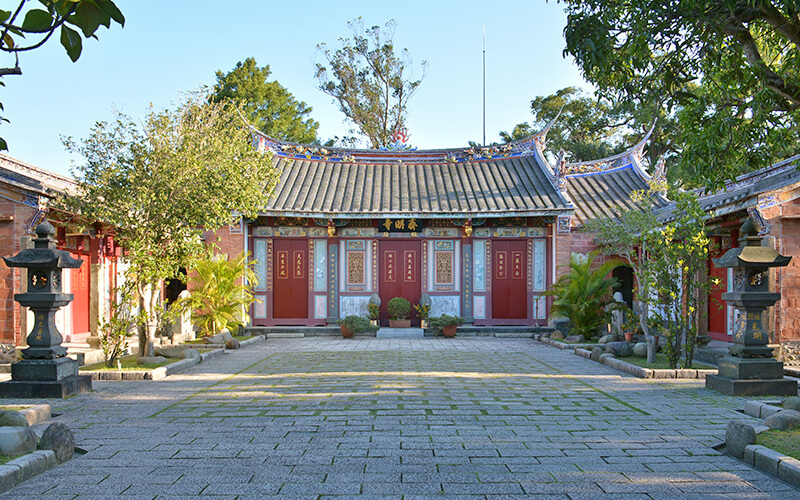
[
  {"x": 786, "y": 231},
  {"x": 12, "y": 233}
]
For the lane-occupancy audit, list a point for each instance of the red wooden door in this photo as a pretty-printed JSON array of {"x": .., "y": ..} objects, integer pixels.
[
  {"x": 79, "y": 287},
  {"x": 290, "y": 266},
  {"x": 509, "y": 284},
  {"x": 400, "y": 274},
  {"x": 717, "y": 308}
]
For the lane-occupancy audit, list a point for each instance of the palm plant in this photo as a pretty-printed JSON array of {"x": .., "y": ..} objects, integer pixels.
[
  {"x": 220, "y": 292},
  {"x": 583, "y": 293}
]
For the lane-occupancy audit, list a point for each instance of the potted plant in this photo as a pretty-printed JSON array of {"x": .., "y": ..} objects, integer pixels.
[
  {"x": 399, "y": 310},
  {"x": 447, "y": 324},
  {"x": 423, "y": 311},
  {"x": 374, "y": 311},
  {"x": 353, "y": 324}
]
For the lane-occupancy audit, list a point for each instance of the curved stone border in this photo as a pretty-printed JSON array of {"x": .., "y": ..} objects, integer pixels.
[
  {"x": 25, "y": 467},
  {"x": 562, "y": 345},
  {"x": 255, "y": 339},
  {"x": 760, "y": 457},
  {"x": 154, "y": 374},
  {"x": 638, "y": 371}
]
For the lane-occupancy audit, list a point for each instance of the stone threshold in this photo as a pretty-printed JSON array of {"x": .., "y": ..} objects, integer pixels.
[
  {"x": 19, "y": 470},
  {"x": 760, "y": 457},
  {"x": 638, "y": 371}
]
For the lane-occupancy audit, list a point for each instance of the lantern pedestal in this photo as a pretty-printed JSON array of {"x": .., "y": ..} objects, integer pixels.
[{"x": 45, "y": 378}]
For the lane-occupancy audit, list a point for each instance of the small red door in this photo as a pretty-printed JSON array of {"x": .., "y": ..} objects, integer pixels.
[
  {"x": 717, "y": 308},
  {"x": 509, "y": 285},
  {"x": 290, "y": 267},
  {"x": 400, "y": 274},
  {"x": 79, "y": 287}
]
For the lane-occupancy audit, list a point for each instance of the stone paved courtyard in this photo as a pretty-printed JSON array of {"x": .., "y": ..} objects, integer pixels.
[{"x": 401, "y": 418}]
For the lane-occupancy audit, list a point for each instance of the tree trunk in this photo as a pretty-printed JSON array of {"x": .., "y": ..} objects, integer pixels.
[
  {"x": 644, "y": 311},
  {"x": 148, "y": 299}
]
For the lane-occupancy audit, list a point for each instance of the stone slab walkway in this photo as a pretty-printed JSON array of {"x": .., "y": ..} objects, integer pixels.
[{"x": 401, "y": 418}]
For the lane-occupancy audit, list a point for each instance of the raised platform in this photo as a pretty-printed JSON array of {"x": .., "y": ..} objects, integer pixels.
[
  {"x": 400, "y": 333},
  {"x": 752, "y": 387},
  {"x": 274, "y": 332}
]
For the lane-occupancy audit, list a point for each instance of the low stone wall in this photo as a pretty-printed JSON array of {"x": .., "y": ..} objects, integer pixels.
[
  {"x": 638, "y": 371},
  {"x": 562, "y": 345},
  {"x": 154, "y": 374},
  {"x": 740, "y": 435}
]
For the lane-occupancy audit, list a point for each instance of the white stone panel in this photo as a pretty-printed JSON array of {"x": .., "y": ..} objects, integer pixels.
[
  {"x": 353, "y": 304},
  {"x": 445, "y": 304}
]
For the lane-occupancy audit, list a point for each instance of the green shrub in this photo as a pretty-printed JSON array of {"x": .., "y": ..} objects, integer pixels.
[
  {"x": 437, "y": 323},
  {"x": 582, "y": 294},
  {"x": 358, "y": 324},
  {"x": 399, "y": 308},
  {"x": 219, "y": 297}
]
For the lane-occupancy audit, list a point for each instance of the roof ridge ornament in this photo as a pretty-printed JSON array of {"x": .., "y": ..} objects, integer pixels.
[
  {"x": 560, "y": 173},
  {"x": 400, "y": 142},
  {"x": 658, "y": 179}
]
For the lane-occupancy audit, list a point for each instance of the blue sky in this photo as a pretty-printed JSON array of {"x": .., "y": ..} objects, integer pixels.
[{"x": 168, "y": 47}]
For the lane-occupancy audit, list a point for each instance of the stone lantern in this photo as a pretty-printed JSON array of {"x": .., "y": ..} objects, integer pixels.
[
  {"x": 749, "y": 368},
  {"x": 44, "y": 371}
]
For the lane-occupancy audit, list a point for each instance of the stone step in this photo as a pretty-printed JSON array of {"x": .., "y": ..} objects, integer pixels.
[
  {"x": 286, "y": 335},
  {"x": 399, "y": 333},
  {"x": 513, "y": 335}
]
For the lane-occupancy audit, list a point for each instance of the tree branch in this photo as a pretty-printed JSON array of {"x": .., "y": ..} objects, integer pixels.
[
  {"x": 10, "y": 71},
  {"x": 771, "y": 79}
]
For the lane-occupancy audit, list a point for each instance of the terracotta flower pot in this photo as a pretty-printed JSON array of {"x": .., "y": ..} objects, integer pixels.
[
  {"x": 346, "y": 332},
  {"x": 628, "y": 336},
  {"x": 400, "y": 323},
  {"x": 449, "y": 331}
]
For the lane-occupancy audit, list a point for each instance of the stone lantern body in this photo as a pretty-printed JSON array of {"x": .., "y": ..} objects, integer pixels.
[
  {"x": 45, "y": 371},
  {"x": 749, "y": 368}
]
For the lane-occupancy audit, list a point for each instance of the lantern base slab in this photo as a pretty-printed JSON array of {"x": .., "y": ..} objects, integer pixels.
[
  {"x": 57, "y": 389},
  {"x": 752, "y": 387}
]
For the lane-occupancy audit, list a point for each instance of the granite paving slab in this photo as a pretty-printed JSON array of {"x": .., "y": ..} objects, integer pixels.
[{"x": 477, "y": 417}]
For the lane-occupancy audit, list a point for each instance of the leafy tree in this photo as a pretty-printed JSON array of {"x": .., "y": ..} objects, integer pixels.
[
  {"x": 371, "y": 84},
  {"x": 185, "y": 170},
  {"x": 23, "y": 30},
  {"x": 582, "y": 294},
  {"x": 220, "y": 291},
  {"x": 269, "y": 106},
  {"x": 729, "y": 69},
  {"x": 668, "y": 260},
  {"x": 593, "y": 127}
]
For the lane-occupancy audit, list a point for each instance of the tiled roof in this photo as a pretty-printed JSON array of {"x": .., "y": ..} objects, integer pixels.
[
  {"x": 414, "y": 184},
  {"x": 25, "y": 176},
  {"x": 605, "y": 193}
]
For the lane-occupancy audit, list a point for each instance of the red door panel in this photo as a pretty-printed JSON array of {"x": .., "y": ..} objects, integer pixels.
[
  {"x": 509, "y": 280},
  {"x": 79, "y": 287},
  {"x": 290, "y": 264},
  {"x": 717, "y": 308},
  {"x": 399, "y": 274}
]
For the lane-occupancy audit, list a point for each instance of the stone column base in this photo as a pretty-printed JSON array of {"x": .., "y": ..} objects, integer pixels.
[{"x": 752, "y": 387}]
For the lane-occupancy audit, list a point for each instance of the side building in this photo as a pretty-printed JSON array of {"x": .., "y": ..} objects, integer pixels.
[{"x": 26, "y": 194}]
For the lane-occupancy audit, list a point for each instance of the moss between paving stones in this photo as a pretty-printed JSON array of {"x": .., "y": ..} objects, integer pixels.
[{"x": 786, "y": 442}]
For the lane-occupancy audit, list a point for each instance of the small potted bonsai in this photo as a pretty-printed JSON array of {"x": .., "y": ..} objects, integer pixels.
[
  {"x": 355, "y": 324},
  {"x": 423, "y": 311},
  {"x": 399, "y": 311},
  {"x": 447, "y": 324},
  {"x": 374, "y": 311}
]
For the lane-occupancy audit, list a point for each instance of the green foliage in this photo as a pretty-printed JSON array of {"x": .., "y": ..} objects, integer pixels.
[
  {"x": 23, "y": 30},
  {"x": 582, "y": 294},
  {"x": 399, "y": 308},
  {"x": 220, "y": 292},
  {"x": 669, "y": 260},
  {"x": 423, "y": 310},
  {"x": 268, "y": 105},
  {"x": 728, "y": 69},
  {"x": 186, "y": 170},
  {"x": 120, "y": 325},
  {"x": 436, "y": 323},
  {"x": 358, "y": 324},
  {"x": 374, "y": 310},
  {"x": 371, "y": 84}
]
